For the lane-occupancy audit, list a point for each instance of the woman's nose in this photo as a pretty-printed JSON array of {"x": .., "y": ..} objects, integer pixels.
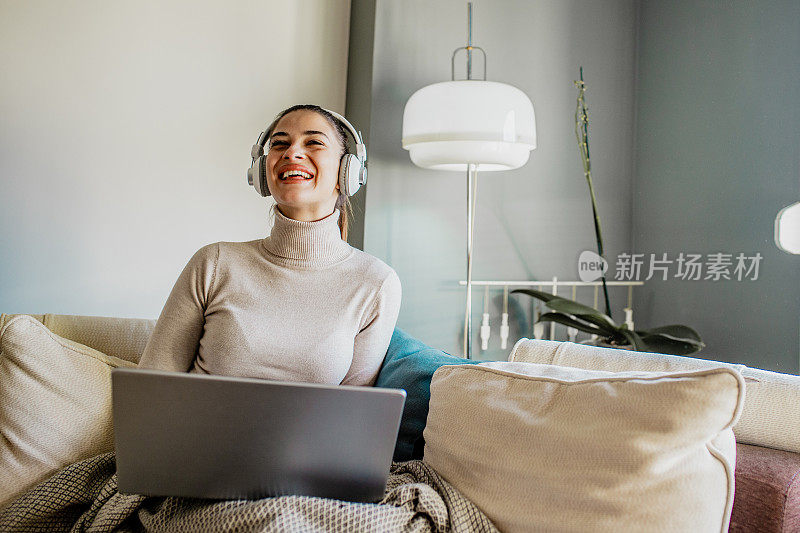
[{"x": 294, "y": 152}]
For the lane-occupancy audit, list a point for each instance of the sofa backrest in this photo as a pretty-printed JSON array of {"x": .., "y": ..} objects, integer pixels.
[
  {"x": 121, "y": 337},
  {"x": 771, "y": 414}
]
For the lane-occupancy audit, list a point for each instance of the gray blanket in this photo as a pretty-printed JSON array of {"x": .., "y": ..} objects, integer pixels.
[{"x": 83, "y": 497}]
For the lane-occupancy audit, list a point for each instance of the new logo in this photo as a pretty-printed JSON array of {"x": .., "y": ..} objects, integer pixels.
[{"x": 591, "y": 266}]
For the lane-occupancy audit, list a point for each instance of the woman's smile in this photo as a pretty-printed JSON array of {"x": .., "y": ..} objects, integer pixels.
[{"x": 292, "y": 173}]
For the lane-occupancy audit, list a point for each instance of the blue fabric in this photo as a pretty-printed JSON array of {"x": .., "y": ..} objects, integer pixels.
[{"x": 409, "y": 364}]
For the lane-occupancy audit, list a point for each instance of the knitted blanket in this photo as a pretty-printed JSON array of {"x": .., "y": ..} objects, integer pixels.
[{"x": 83, "y": 497}]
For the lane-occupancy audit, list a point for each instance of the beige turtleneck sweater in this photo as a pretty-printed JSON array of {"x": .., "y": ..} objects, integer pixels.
[{"x": 299, "y": 305}]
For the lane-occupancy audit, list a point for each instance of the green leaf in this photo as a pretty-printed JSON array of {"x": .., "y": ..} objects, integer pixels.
[
  {"x": 584, "y": 311},
  {"x": 544, "y": 296},
  {"x": 675, "y": 330},
  {"x": 570, "y": 307},
  {"x": 661, "y": 343},
  {"x": 658, "y": 337},
  {"x": 571, "y": 322},
  {"x": 601, "y": 320},
  {"x": 632, "y": 338}
]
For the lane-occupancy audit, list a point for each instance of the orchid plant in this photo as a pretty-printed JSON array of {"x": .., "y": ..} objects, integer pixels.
[{"x": 672, "y": 339}]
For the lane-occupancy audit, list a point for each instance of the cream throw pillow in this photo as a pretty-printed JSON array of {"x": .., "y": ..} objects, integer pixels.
[
  {"x": 55, "y": 404},
  {"x": 549, "y": 448}
]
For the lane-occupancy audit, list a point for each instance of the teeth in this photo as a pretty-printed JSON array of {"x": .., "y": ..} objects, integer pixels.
[{"x": 304, "y": 175}]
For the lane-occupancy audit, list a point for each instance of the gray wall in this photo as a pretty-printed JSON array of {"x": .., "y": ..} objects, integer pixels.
[
  {"x": 126, "y": 132},
  {"x": 717, "y": 140},
  {"x": 531, "y": 223},
  {"x": 359, "y": 94},
  {"x": 694, "y": 137}
]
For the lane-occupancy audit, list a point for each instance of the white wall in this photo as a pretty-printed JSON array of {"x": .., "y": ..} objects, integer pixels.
[{"x": 125, "y": 132}]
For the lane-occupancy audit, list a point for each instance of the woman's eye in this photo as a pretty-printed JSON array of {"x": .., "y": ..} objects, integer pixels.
[{"x": 284, "y": 143}]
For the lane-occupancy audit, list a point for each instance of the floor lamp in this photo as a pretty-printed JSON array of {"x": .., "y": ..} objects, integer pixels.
[
  {"x": 787, "y": 229},
  {"x": 469, "y": 125}
]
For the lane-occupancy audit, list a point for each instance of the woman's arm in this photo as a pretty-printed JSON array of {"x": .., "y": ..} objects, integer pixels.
[
  {"x": 372, "y": 341},
  {"x": 175, "y": 339}
]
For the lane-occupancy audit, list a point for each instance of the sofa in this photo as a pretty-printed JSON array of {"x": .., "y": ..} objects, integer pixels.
[{"x": 463, "y": 422}]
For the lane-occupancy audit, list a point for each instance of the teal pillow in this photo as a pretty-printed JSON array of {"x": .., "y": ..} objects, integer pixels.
[{"x": 409, "y": 364}]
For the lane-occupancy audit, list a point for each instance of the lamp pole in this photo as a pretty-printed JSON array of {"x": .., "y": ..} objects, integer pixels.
[
  {"x": 472, "y": 182},
  {"x": 472, "y": 185}
]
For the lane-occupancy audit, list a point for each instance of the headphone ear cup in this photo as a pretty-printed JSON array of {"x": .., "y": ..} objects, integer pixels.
[
  {"x": 349, "y": 174},
  {"x": 343, "y": 163},
  {"x": 262, "y": 187}
]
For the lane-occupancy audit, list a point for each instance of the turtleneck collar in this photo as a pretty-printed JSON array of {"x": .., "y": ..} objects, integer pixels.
[{"x": 306, "y": 244}]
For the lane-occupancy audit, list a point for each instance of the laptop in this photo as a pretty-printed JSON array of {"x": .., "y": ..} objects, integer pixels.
[{"x": 202, "y": 436}]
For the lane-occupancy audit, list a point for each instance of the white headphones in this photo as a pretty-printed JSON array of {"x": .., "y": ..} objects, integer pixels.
[{"x": 352, "y": 168}]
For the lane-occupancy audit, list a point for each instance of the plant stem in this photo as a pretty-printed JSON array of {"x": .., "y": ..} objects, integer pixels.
[{"x": 582, "y": 122}]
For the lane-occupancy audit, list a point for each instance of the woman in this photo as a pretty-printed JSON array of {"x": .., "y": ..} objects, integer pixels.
[{"x": 298, "y": 305}]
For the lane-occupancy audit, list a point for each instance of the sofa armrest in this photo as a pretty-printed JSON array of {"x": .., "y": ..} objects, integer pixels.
[{"x": 767, "y": 494}]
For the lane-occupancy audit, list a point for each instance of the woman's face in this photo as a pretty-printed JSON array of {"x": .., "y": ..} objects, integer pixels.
[{"x": 303, "y": 165}]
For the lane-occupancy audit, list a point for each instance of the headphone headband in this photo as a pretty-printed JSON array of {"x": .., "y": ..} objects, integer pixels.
[{"x": 361, "y": 150}]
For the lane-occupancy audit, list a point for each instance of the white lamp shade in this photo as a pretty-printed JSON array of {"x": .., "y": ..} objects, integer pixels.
[
  {"x": 448, "y": 125},
  {"x": 787, "y": 229}
]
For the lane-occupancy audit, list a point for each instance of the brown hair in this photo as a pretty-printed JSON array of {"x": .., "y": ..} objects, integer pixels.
[{"x": 343, "y": 201}]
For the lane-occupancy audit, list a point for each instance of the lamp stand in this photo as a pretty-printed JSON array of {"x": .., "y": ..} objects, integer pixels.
[
  {"x": 471, "y": 117},
  {"x": 472, "y": 186}
]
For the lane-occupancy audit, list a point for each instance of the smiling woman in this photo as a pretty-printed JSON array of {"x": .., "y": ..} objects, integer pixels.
[
  {"x": 305, "y": 148},
  {"x": 300, "y": 304},
  {"x": 324, "y": 144}
]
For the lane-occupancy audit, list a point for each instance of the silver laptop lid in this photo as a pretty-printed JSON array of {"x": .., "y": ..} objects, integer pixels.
[{"x": 194, "y": 435}]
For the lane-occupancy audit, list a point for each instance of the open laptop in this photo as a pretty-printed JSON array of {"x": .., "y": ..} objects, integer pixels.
[{"x": 194, "y": 435}]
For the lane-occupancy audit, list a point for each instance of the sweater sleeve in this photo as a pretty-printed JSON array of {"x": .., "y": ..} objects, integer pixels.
[
  {"x": 175, "y": 339},
  {"x": 372, "y": 341}
]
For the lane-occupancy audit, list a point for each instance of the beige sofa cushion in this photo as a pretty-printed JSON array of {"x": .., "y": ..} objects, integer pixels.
[
  {"x": 771, "y": 414},
  {"x": 121, "y": 337},
  {"x": 55, "y": 404},
  {"x": 549, "y": 448}
]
